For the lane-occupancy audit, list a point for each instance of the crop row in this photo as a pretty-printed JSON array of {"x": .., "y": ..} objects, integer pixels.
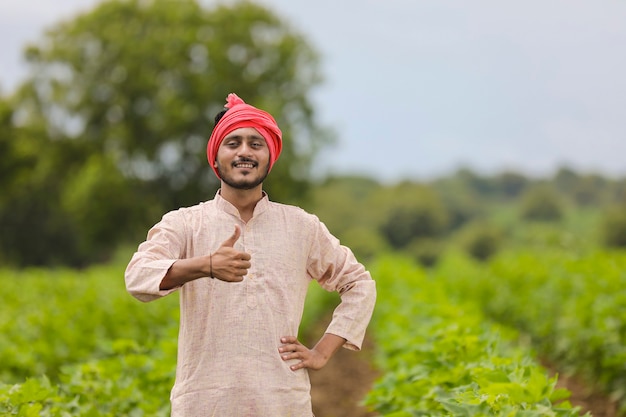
[
  {"x": 444, "y": 358},
  {"x": 74, "y": 343},
  {"x": 131, "y": 381},
  {"x": 571, "y": 306},
  {"x": 50, "y": 318}
]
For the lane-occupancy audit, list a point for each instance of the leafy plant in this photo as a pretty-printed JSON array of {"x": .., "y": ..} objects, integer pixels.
[
  {"x": 571, "y": 307},
  {"x": 443, "y": 358}
]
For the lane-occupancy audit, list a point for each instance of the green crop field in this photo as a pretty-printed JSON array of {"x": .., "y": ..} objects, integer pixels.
[
  {"x": 466, "y": 338},
  {"x": 501, "y": 291},
  {"x": 463, "y": 338}
]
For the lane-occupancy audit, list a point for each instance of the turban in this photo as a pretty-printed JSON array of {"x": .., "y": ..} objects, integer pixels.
[{"x": 238, "y": 115}]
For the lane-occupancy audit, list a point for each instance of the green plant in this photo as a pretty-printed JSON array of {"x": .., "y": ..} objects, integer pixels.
[{"x": 443, "y": 358}]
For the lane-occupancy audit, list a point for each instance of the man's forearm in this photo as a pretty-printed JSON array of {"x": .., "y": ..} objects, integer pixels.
[
  {"x": 185, "y": 270},
  {"x": 329, "y": 344}
]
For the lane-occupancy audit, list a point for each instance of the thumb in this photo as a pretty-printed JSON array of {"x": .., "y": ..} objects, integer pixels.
[{"x": 230, "y": 242}]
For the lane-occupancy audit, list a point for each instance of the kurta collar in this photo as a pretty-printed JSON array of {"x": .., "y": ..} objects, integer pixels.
[{"x": 227, "y": 207}]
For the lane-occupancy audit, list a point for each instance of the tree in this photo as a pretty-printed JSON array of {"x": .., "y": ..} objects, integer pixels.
[
  {"x": 133, "y": 87},
  {"x": 141, "y": 82},
  {"x": 11, "y": 162},
  {"x": 29, "y": 212},
  {"x": 565, "y": 180},
  {"x": 474, "y": 182},
  {"x": 413, "y": 212},
  {"x": 510, "y": 184},
  {"x": 613, "y": 226},
  {"x": 346, "y": 203},
  {"x": 481, "y": 240},
  {"x": 542, "y": 204}
]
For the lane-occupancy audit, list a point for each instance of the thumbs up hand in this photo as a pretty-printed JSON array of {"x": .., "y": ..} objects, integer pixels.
[{"x": 228, "y": 264}]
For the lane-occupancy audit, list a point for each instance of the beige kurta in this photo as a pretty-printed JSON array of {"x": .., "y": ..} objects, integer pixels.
[{"x": 228, "y": 360}]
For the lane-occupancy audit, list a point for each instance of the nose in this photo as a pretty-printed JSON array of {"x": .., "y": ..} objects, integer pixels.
[{"x": 244, "y": 149}]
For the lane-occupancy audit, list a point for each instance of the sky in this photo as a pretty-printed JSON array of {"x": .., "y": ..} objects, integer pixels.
[{"x": 415, "y": 89}]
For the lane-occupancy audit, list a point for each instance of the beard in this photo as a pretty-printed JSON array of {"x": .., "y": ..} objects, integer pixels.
[{"x": 243, "y": 184}]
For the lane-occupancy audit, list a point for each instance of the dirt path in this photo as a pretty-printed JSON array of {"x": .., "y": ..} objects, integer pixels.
[
  {"x": 338, "y": 389},
  {"x": 598, "y": 404}
]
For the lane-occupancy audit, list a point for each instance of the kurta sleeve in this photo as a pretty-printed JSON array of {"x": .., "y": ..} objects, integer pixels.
[
  {"x": 335, "y": 267},
  {"x": 164, "y": 245}
]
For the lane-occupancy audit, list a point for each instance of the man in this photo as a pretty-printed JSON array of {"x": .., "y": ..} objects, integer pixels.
[{"x": 243, "y": 265}]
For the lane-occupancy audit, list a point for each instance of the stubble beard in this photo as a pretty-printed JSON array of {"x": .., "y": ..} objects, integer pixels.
[{"x": 243, "y": 184}]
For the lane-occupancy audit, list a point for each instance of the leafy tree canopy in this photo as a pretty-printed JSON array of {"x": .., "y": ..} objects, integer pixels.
[
  {"x": 141, "y": 81},
  {"x": 110, "y": 129}
]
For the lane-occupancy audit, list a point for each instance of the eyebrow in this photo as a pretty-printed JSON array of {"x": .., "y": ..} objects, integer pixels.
[{"x": 252, "y": 137}]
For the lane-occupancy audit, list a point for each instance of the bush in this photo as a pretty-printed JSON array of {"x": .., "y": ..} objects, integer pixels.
[
  {"x": 417, "y": 212},
  {"x": 425, "y": 251},
  {"x": 541, "y": 204},
  {"x": 481, "y": 241},
  {"x": 614, "y": 227},
  {"x": 365, "y": 243}
]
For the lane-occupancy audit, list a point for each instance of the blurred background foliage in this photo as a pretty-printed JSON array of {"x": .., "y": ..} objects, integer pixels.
[
  {"x": 109, "y": 131},
  {"x": 479, "y": 215},
  {"x": 110, "y": 128}
]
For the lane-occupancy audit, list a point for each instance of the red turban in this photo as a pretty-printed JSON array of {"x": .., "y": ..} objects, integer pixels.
[{"x": 240, "y": 115}]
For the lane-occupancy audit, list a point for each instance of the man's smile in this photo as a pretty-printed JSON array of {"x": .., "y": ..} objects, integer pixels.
[{"x": 246, "y": 164}]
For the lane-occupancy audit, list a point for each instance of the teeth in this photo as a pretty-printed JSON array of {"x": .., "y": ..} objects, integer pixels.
[{"x": 245, "y": 166}]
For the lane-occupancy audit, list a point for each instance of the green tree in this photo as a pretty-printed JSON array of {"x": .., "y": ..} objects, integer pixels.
[
  {"x": 133, "y": 86},
  {"x": 565, "y": 180},
  {"x": 510, "y": 184},
  {"x": 98, "y": 202},
  {"x": 619, "y": 192},
  {"x": 584, "y": 190},
  {"x": 425, "y": 251},
  {"x": 142, "y": 80},
  {"x": 11, "y": 162},
  {"x": 346, "y": 203},
  {"x": 481, "y": 240},
  {"x": 473, "y": 182},
  {"x": 34, "y": 229},
  {"x": 592, "y": 190},
  {"x": 414, "y": 211},
  {"x": 613, "y": 226},
  {"x": 541, "y": 203}
]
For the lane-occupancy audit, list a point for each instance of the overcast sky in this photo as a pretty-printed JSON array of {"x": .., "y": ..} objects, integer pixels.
[{"x": 416, "y": 89}]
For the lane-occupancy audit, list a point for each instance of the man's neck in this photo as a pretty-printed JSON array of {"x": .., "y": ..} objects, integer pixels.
[{"x": 243, "y": 200}]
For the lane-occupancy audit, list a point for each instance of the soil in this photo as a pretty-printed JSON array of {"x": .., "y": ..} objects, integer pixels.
[
  {"x": 338, "y": 389},
  {"x": 598, "y": 404}
]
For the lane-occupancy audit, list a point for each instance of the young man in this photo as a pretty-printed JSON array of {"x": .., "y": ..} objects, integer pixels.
[{"x": 243, "y": 265}]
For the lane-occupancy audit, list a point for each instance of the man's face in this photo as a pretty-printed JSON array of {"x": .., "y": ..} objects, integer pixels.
[{"x": 243, "y": 159}]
